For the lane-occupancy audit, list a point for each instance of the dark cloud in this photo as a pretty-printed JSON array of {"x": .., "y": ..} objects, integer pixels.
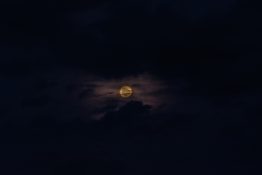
[
  {"x": 97, "y": 37},
  {"x": 133, "y": 110},
  {"x": 67, "y": 94}
]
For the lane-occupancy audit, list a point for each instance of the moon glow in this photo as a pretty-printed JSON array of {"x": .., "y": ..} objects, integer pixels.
[{"x": 126, "y": 91}]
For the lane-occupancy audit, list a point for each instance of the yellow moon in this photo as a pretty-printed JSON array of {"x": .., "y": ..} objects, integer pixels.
[{"x": 126, "y": 91}]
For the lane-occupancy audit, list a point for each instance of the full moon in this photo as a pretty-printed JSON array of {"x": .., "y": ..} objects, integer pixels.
[{"x": 126, "y": 91}]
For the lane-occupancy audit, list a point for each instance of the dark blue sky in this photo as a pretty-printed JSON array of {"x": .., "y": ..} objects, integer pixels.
[{"x": 194, "y": 65}]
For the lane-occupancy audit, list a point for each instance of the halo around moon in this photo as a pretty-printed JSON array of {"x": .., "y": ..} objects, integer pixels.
[{"x": 126, "y": 91}]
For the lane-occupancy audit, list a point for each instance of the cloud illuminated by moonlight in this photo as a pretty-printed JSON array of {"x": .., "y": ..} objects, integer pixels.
[{"x": 103, "y": 94}]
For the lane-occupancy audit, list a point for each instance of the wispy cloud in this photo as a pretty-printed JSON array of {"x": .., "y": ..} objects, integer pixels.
[{"x": 105, "y": 92}]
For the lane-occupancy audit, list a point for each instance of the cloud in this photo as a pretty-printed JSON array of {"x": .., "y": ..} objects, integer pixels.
[
  {"x": 132, "y": 113},
  {"x": 105, "y": 92},
  {"x": 67, "y": 94}
]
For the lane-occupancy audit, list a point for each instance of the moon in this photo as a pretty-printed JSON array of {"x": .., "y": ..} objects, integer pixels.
[{"x": 126, "y": 91}]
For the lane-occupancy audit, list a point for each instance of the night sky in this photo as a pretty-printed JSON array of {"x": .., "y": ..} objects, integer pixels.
[{"x": 194, "y": 67}]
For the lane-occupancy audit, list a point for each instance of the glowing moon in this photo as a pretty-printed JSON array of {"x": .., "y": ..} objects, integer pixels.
[{"x": 126, "y": 91}]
